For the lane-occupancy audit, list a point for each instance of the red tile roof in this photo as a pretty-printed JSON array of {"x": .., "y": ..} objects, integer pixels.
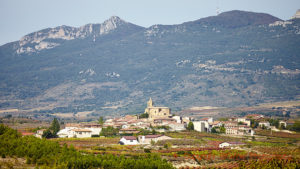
[
  {"x": 129, "y": 137},
  {"x": 27, "y": 133}
]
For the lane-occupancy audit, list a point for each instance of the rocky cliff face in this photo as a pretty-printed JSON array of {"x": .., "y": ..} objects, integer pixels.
[{"x": 43, "y": 39}]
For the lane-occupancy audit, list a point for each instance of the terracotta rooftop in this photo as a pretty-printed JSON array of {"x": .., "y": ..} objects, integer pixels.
[
  {"x": 129, "y": 137},
  {"x": 27, "y": 133}
]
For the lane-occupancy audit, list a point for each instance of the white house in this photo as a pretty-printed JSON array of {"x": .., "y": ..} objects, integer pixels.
[
  {"x": 176, "y": 127},
  {"x": 95, "y": 131},
  {"x": 244, "y": 120},
  {"x": 128, "y": 140},
  {"x": 148, "y": 138},
  {"x": 230, "y": 144},
  {"x": 264, "y": 123},
  {"x": 66, "y": 133},
  {"x": 39, "y": 133},
  {"x": 232, "y": 131},
  {"x": 82, "y": 133},
  {"x": 177, "y": 118},
  {"x": 224, "y": 144},
  {"x": 201, "y": 126},
  {"x": 79, "y": 130},
  {"x": 282, "y": 123}
]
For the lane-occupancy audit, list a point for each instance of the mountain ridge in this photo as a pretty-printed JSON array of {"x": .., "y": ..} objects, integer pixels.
[
  {"x": 41, "y": 38},
  {"x": 180, "y": 66}
]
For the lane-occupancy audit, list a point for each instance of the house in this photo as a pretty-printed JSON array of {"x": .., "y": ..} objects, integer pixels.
[
  {"x": 65, "y": 133},
  {"x": 176, "y": 127},
  {"x": 82, "y": 133},
  {"x": 177, "y": 118},
  {"x": 128, "y": 140},
  {"x": 149, "y": 138},
  {"x": 244, "y": 120},
  {"x": 200, "y": 126},
  {"x": 80, "y": 130},
  {"x": 264, "y": 124},
  {"x": 230, "y": 144},
  {"x": 282, "y": 123},
  {"x": 39, "y": 133},
  {"x": 232, "y": 131},
  {"x": 208, "y": 119},
  {"x": 216, "y": 124},
  {"x": 255, "y": 116},
  {"x": 163, "y": 121},
  {"x": 186, "y": 120},
  {"x": 224, "y": 144}
]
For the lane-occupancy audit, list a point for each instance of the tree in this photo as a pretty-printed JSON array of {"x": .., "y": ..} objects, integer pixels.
[
  {"x": 254, "y": 124},
  {"x": 47, "y": 134},
  {"x": 190, "y": 126},
  {"x": 144, "y": 115},
  {"x": 222, "y": 129},
  {"x": 109, "y": 131},
  {"x": 274, "y": 122},
  {"x": 213, "y": 130},
  {"x": 55, "y": 127},
  {"x": 101, "y": 121}
]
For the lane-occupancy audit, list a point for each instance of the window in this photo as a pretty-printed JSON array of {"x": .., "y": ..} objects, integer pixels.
[
  {"x": 159, "y": 110},
  {"x": 131, "y": 140}
]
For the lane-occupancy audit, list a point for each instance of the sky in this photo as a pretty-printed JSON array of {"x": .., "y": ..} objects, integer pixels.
[{"x": 21, "y": 17}]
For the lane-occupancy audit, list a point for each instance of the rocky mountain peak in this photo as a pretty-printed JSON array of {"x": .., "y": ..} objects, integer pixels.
[{"x": 111, "y": 24}]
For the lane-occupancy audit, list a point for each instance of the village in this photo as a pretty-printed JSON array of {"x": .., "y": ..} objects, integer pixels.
[
  {"x": 182, "y": 141},
  {"x": 150, "y": 127}
]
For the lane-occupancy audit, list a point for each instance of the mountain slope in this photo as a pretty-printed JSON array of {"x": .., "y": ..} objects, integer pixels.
[{"x": 233, "y": 59}]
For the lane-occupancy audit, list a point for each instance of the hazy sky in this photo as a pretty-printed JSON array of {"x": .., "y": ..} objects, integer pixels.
[{"x": 20, "y": 17}]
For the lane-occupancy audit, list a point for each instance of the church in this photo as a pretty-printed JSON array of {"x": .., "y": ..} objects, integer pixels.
[{"x": 157, "y": 112}]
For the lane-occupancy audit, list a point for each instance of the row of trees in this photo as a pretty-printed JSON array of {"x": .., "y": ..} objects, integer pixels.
[{"x": 49, "y": 153}]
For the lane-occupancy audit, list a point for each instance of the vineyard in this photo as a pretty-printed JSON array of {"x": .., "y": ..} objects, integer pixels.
[{"x": 186, "y": 150}]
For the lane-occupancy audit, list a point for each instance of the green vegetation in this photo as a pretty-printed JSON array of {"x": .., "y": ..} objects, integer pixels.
[
  {"x": 48, "y": 153},
  {"x": 51, "y": 132},
  {"x": 55, "y": 127},
  {"x": 274, "y": 122},
  {"x": 143, "y": 115},
  {"x": 109, "y": 132},
  {"x": 190, "y": 126},
  {"x": 101, "y": 120},
  {"x": 295, "y": 126}
]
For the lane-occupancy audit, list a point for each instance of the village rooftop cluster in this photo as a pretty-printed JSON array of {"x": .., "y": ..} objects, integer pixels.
[{"x": 157, "y": 120}]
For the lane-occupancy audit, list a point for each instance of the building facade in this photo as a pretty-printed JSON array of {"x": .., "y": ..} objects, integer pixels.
[{"x": 157, "y": 112}]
